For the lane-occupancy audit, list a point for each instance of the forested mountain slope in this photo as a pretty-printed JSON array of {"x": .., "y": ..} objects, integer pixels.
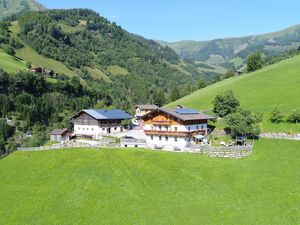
[{"x": 99, "y": 51}]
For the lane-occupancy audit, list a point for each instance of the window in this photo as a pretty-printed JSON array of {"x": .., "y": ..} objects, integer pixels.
[
  {"x": 83, "y": 128},
  {"x": 159, "y": 138},
  {"x": 167, "y": 128},
  {"x": 167, "y": 138},
  {"x": 103, "y": 129},
  {"x": 175, "y": 128},
  {"x": 159, "y": 127},
  {"x": 152, "y": 127},
  {"x": 189, "y": 128},
  {"x": 197, "y": 127},
  {"x": 92, "y": 128},
  {"x": 87, "y": 128},
  {"x": 202, "y": 127},
  {"x": 78, "y": 128},
  {"x": 151, "y": 137},
  {"x": 175, "y": 139},
  {"x": 115, "y": 128}
]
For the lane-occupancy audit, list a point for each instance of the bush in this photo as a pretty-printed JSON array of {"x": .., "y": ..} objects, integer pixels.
[
  {"x": 254, "y": 62},
  {"x": 276, "y": 116},
  {"x": 225, "y": 104},
  {"x": 294, "y": 117},
  {"x": 244, "y": 123}
]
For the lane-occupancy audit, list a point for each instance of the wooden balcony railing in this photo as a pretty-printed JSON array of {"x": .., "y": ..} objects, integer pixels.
[
  {"x": 162, "y": 122},
  {"x": 175, "y": 133}
]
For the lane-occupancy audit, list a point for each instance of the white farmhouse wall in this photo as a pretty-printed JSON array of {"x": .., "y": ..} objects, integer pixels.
[
  {"x": 96, "y": 131},
  {"x": 169, "y": 144},
  {"x": 180, "y": 128}
]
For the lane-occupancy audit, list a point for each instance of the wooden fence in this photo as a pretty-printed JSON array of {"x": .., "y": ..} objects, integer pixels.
[{"x": 64, "y": 146}]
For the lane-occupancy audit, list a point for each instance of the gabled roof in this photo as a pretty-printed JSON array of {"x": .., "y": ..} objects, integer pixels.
[
  {"x": 183, "y": 114},
  {"x": 59, "y": 131},
  {"x": 147, "y": 107},
  {"x": 107, "y": 114}
]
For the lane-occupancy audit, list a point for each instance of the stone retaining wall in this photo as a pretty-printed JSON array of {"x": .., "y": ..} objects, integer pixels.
[{"x": 228, "y": 154}]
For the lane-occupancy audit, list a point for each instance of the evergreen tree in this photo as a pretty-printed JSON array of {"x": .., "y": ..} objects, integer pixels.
[{"x": 175, "y": 94}]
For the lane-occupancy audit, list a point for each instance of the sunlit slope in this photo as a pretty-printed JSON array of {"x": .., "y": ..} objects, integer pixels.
[{"x": 274, "y": 86}]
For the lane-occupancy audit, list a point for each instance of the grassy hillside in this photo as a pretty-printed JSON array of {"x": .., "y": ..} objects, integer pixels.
[
  {"x": 10, "y": 7},
  {"x": 147, "y": 187},
  {"x": 273, "y": 86},
  {"x": 11, "y": 64}
]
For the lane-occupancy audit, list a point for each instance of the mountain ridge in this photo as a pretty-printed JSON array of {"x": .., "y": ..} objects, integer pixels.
[
  {"x": 224, "y": 51},
  {"x": 10, "y": 8}
]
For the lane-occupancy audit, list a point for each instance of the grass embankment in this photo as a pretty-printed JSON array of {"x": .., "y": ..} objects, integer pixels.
[
  {"x": 261, "y": 91},
  {"x": 114, "y": 186}
]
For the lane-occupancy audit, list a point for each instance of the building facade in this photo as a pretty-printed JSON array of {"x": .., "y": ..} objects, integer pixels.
[
  {"x": 97, "y": 123},
  {"x": 174, "y": 129},
  {"x": 141, "y": 110}
]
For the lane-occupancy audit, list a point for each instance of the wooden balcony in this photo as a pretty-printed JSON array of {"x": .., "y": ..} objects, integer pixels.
[
  {"x": 162, "y": 122},
  {"x": 175, "y": 133}
]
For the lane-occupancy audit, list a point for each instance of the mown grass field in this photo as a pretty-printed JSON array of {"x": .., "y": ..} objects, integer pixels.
[
  {"x": 10, "y": 64},
  {"x": 114, "y": 186},
  {"x": 261, "y": 91}
]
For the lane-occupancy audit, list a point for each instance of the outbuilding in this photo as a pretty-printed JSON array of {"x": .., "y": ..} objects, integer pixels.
[{"x": 60, "y": 135}]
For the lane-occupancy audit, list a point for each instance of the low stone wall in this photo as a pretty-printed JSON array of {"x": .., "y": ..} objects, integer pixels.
[
  {"x": 236, "y": 152},
  {"x": 228, "y": 154},
  {"x": 295, "y": 137}
]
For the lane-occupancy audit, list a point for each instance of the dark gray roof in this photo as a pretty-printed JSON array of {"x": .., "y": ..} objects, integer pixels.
[
  {"x": 107, "y": 114},
  {"x": 147, "y": 107},
  {"x": 59, "y": 131},
  {"x": 184, "y": 114}
]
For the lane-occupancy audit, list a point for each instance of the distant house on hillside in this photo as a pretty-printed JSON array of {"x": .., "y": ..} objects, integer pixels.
[
  {"x": 174, "y": 128},
  {"x": 97, "y": 123},
  {"x": 141, "y": 110},
  {"x": 36, "y": 69},
  {"x": 60, "y": 135},
  {"x": 239, "y": 72}
]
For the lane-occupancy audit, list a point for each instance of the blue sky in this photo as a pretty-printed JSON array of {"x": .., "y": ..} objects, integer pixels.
[{"x": 173, "y": 20}]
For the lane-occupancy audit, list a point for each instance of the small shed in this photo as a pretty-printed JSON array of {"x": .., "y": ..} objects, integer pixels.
[
  {"x": 36, "y": 69},
  {"x": 239, "y": 72},
  {"x": 60, "y": 135}
]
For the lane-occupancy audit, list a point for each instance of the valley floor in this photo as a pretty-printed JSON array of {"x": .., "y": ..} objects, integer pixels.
[{"x": 117, "y": 186}]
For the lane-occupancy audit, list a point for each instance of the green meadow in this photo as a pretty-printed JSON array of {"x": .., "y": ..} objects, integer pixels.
[
  {"x": 274, "y": 86},
  {"x": 114, "y": 186},
  {"x": 10, "y": 63}
]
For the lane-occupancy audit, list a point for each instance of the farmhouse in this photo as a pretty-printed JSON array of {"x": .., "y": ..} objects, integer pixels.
[
  {"x": 141, "y": 110},
  {"x": 97, "y": 123},
  {"x": 60, "y": 135},
  {"x": 174, "y": 128}
]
